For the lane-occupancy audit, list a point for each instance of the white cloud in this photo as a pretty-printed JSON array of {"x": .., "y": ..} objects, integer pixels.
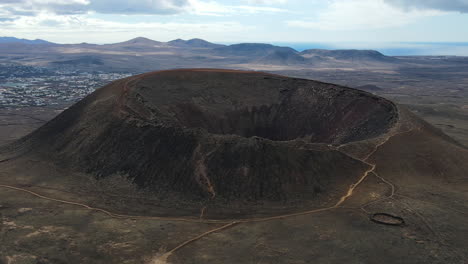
[
  {"x": 72, "y": 19},
  {"x": 214, "y": 8},
  {"x": 207, "y": 8},
  {"x": 362, "y": 15},
  {"x": 445, "y": 5},
  {"x": 79, "y": 28},
  {"x": 266, "y": 2},
  {"x": 160, "y": 7},
  {"x": 67, "y": 7},
  {"x": 138, "y": 7}
]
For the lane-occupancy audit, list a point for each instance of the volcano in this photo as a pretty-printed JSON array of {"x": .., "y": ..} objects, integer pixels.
[
  {"x": 226, "y": 134},
  {"x": 223, "y": 133}
]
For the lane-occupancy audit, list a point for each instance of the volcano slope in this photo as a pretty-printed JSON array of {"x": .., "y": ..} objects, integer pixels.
[{"x": 195, "y": 166}]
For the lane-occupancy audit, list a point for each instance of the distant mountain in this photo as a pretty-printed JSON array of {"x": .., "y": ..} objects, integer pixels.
[
  {"x": 24, "y": 41},
  {"x": 251, "y": 49},
  {"x": 139, "y": 44},
  {"x": 193, "y": 43},
  {"x": 348, "y": 55},
  {"x": 138, "y": 41}
]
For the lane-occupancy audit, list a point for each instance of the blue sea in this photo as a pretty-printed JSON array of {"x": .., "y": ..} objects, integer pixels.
[{"x": 391, "y": 49}]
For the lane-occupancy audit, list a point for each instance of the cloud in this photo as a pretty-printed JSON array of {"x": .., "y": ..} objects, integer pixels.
[
  {"x": 211, "y": 8},
  {"x": 138, "y": 7},
  {"x": 214, "y": 8},
  {"x": 266, "y": 2},
  {"x": 361, "y": 15},
  {"x": 61, "y": 19},
  {"x": 146, "y": 7},
  {"x": 73, "y": 7},
  {"x": 79, "y": 28},
  {"x": 6, "y": 19},
  {"x": 32, "y": 7},
  {"x": 443, "y": 5}
]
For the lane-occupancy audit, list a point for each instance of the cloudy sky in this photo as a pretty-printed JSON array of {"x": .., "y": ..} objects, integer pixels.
[{"x": 106, "y": 21}]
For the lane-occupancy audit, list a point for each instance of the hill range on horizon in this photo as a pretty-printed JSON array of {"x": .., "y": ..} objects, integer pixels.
[
  {"x": 142, "y": 54},
  {"x": 387, "y": 48}
]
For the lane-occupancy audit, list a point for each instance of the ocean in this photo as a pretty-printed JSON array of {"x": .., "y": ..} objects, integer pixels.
[{"x": 391, "y": 48}]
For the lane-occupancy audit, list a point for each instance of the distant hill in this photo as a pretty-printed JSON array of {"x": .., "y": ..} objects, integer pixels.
[
  {"x": 137, "y": 41},
  {"x": 348, "y": 55},
  {"x": 193, "y": 43},
  {"x": 251, "y": 49},
  {"x": 24, "y": 41},
  {"x": 139, "y": 44}
]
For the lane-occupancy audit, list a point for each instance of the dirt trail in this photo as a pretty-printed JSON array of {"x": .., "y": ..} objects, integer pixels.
[
  {"x": 227, "y": 224},
  {"x": 349, "y": 193}
]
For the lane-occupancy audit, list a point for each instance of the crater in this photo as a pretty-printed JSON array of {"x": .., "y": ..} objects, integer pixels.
[{"x": 277, "y": 108}]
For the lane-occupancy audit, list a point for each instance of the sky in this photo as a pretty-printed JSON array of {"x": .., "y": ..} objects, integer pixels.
[{"x": 228, "y": 21}]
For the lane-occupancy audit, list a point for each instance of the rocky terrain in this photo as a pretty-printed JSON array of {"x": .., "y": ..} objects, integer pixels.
[{"x": 180, "y": 166}]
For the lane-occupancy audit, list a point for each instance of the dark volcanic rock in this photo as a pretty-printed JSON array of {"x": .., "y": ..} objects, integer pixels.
[{"x": 218, "y": 133}]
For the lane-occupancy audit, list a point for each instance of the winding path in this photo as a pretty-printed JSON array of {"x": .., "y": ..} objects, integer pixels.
[{"x": 230, "y": 223}]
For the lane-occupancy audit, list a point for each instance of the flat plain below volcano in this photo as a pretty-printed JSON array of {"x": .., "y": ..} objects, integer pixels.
[{"x": 222, "y": 166}]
